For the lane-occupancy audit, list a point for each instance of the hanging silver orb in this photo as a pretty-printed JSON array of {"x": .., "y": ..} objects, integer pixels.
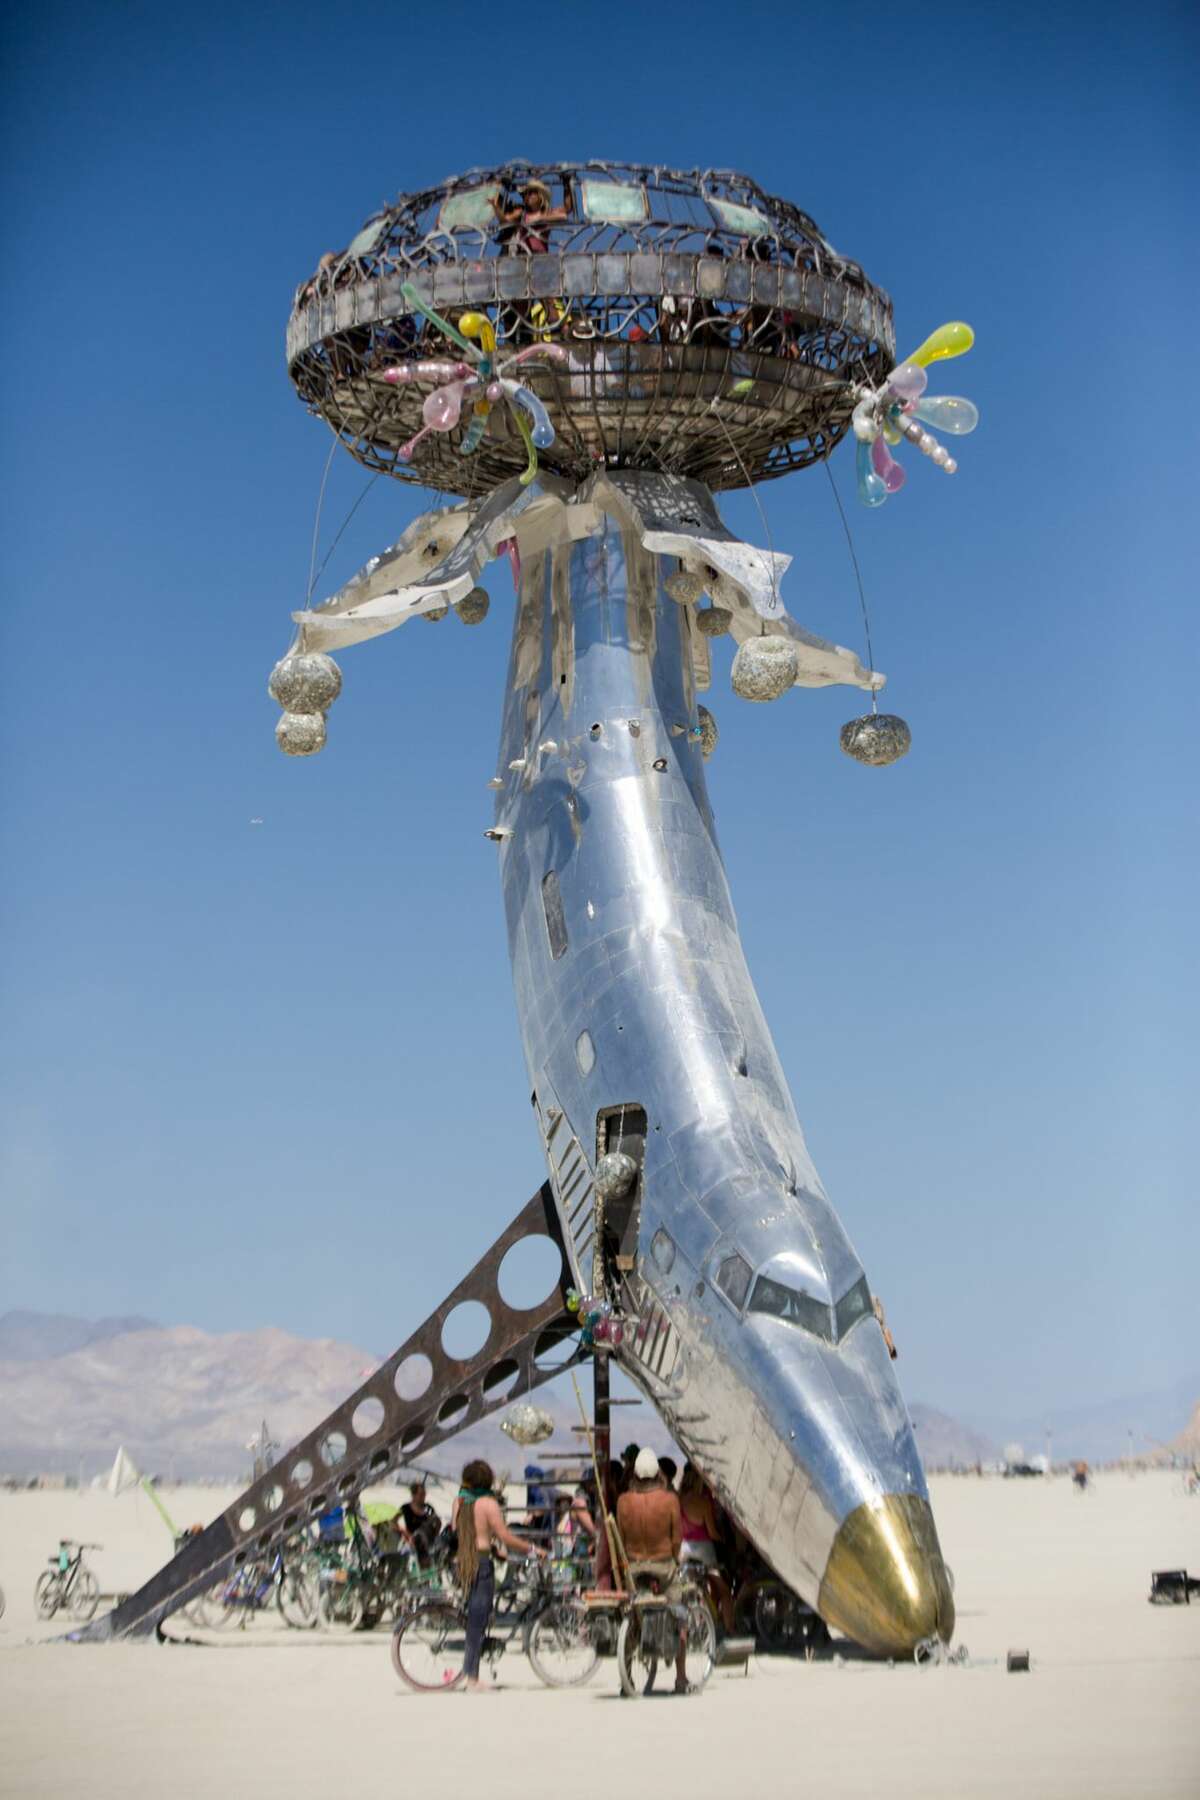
[
  {"x": 877, "y": 739},
  {"x": 527, "y": 1424},
  {"x": 713, "y": 621},
  {"x": 684, "y": 587},
  {"x": 472, "y": 609},
  {"x": 301, "y": 734},
  {"x": 708, "y": 732},
  {"x": 435, "y": 614},
  {"x": 309, "y": 682},
  {"x": 764, "y": 668},
  {"x": 615, "y": 1175}
]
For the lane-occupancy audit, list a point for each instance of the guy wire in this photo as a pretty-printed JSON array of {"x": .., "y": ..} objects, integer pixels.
[
  {"x": 761, "y": 510},
  {"x": 862, "y": 598},
  {"x": 312, "y": 561}
]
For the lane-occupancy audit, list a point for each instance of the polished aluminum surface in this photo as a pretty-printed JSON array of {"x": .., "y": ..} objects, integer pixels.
[{"x": 633, "y": 993}]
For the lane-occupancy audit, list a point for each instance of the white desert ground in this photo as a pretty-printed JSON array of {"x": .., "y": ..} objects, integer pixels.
[{"x": 1111, "y": 1706}]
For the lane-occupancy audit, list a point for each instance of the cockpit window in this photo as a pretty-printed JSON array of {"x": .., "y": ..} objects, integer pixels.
[
  {"x": 793, "y": 1305},
  {"x": 855, "y": 1304},
  {"x": 733, "y": 1279}
]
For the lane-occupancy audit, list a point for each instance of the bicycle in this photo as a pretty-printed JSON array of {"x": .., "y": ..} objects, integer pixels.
[
  {"x": 429, "y": 1643},
  {"x": 649, "y": 1633},
  {"x": 68, "y": 1582}
]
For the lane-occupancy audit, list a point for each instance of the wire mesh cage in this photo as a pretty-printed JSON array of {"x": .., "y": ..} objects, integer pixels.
[{"x": 706, "y": 329}]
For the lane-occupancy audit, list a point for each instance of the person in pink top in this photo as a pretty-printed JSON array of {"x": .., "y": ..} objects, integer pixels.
[{"x": 700, "y": 1529}]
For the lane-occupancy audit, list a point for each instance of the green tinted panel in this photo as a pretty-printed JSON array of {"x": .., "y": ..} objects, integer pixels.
[
  {"x": 367, "y": 238},
  {"x": 470, "y": 211},
  {"x": 741, "y": 218},
  {"x": 604, "y": 200}
]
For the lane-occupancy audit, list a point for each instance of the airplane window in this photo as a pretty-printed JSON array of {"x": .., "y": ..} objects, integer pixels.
[
  {"x": 733, "y": 1279},
  {"x": 855, "y": 1304},
  {"x": 662, "y": 1249},
  {"x": 556, "y": 923},
  {"x": 789, "y": 1303}
]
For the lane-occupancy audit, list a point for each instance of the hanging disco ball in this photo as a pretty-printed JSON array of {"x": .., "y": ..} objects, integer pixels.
[
  {"x": 877, "y": 739},
  {"x": 308, "y": 682},
  {"x": 708, "y": 732},
  {"x": 713, "y": 621},
  {"x": 472, "y": 609},
  {"x": 684, "y": 587},
  {"x": 301, "y": 734},
  {"x": 764, "y": 668},
  {"x": 527, "y": 1425},
  {"x": 615, "y": 1175}
]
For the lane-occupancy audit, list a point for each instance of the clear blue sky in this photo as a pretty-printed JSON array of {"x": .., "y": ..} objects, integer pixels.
[{"x": 271, "y": 1074}]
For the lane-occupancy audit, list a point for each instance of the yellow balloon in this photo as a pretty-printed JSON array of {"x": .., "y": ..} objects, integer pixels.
[
  {"x": 947, "y": 340},
  {"x": 477, "y": 325}
]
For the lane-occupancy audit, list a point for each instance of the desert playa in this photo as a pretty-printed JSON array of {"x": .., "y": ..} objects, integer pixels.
[{"x": 1110, "y": 1707}]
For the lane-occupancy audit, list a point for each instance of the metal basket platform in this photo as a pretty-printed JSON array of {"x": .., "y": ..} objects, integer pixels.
[{"x": 711, "y": 330}]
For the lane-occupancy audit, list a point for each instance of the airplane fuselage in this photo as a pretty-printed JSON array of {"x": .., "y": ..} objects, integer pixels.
[{"x": 753, "y": 1333}]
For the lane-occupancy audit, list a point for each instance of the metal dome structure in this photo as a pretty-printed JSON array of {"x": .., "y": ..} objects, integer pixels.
[{"x": 709, "y": 329}]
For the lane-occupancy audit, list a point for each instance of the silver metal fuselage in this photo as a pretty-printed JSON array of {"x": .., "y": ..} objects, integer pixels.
[{"x": 638, "y": 996}]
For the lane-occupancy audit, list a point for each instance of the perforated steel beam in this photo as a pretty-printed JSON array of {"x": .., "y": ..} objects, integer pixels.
[{"x": 378, "y": 1428}]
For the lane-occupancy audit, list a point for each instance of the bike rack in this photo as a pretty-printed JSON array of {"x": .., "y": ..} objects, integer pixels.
[{"x": 379, "y": 1427}]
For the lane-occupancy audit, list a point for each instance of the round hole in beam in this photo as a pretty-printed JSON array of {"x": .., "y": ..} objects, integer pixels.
[
  {"x": 319, "y": 1503},
  {"x": 412, "y": 1434},
  {"x": 273, "y": 1498},
  {"x": 332, "y": 1448},
  {"x": 379, "y": 1462},
  {"x": 346, "y": 1484},
  {"x": 302, "y": 1473},
  {"x": 500, "y": 1378},
  {"x": 530, "y": 1272},
  {"x": 452, "y": 1410},
  {"x": 247, "y": 1518},
  {"x": 368, "y": 1417},
  {"x": 413, "y": 1376},
  {"x": 466, "y": 1330}
]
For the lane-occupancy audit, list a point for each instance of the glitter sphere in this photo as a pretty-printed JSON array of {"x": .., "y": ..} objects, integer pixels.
[
  {"x": 684, "y": 587},
  {"x": 527, "y": 1425},
  {"x": 615, "y": 1175},
  {"x": 307, "y": 683},
  {"x": 708, "y": 731},
  {"x": 764, "y": 668},
  {"x": 436, "y": 614},
  {"x": 877, "y": 739},
  {"x": 301, "y": 734},
  {"x": 472, "y": 609},
  {"x": 713, "y": 621}
]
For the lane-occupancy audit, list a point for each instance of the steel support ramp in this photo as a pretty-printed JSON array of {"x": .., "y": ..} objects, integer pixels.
[{"x": 377, "y": 1429}]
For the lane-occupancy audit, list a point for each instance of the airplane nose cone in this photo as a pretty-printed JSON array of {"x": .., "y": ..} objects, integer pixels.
[{"x": 886, "y": 1584}]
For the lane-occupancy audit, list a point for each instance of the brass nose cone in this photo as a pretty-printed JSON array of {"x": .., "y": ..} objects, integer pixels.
[{"x": 885, "y": 1583}]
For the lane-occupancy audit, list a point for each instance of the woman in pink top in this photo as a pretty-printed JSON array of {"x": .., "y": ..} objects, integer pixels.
[{"x": 700, "y": 1529}]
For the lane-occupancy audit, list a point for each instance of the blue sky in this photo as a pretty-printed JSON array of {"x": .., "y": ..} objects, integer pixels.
[{"x": 271, "y": 1074}]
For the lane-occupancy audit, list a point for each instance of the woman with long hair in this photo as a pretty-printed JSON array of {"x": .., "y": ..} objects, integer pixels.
[{"x": 481, "y": 1528}]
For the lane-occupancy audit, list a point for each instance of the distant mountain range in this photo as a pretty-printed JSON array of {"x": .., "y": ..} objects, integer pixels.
[{"x": 187, "y": 1402}]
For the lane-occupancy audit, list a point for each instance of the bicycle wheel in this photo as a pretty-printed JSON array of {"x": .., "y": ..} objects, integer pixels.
[
  {"x": 637, "y": 1664},
  {"x": 561, "y": 1651},
  {"x": 775, "y": 1617},
  {"x": 85, "y": 1595},
  {"x": 297, "y": 1598},
  {"x": 225, "y": 1603},
  {"x": 342, "y": 1606},
  {"x": 701, "y": 1651},
  {"x": 47, "y": 1595},
  {"x": 428, "y": 1647}
]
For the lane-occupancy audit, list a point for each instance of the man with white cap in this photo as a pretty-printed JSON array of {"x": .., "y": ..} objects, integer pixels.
[{"x": 650, "y": 1523}]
